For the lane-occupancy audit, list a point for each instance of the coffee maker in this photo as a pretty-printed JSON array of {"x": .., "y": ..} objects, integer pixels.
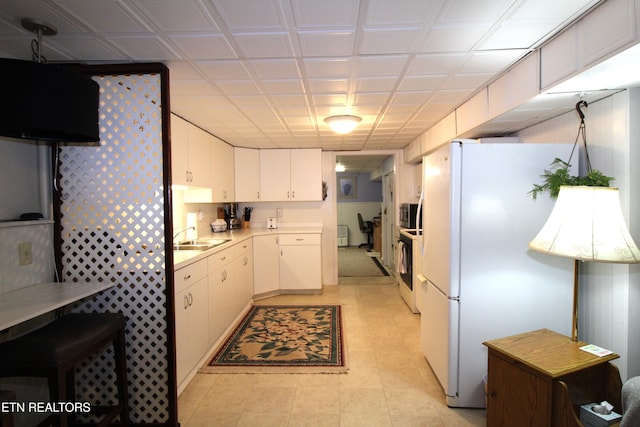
[{"x": 231, "y": 216}]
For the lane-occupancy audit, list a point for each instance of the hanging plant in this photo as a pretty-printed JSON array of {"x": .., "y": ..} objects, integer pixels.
[{"x": 558, "y": 175}]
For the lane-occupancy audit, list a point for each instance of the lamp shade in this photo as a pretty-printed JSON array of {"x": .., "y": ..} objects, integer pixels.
[
  {"x": 342, "y": 124},
  {"x": 587, "y": 224}
]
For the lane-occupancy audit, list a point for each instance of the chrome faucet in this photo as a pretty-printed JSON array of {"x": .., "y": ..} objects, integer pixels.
[{"x": 182, "y": 230}]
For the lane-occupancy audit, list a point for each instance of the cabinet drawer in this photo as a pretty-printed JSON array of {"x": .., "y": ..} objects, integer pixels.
[
  {"x": 299, "y": 239},
  {"x": 189, "y": 275}
]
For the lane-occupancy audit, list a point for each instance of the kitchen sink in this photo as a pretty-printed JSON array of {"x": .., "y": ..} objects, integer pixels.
[
  {"x": 200, "y": 245},
  {"x": 192, "y": 247},
  {"x": 214, "y": 242}
]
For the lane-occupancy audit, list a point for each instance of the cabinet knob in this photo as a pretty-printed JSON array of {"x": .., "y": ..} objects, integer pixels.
[
  {"x": 186, "y": 302},
  {"x": 187, "y": 277}
]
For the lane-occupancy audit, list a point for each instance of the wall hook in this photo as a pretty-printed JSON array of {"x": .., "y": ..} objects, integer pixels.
[{"x": 579, "y": 106}]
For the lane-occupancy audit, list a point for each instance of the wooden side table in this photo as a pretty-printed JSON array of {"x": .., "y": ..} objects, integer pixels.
[{"x": 541, "y": 378}]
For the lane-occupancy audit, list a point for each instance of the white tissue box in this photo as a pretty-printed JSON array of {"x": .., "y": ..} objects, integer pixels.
[{"x": 594, "y": 419}]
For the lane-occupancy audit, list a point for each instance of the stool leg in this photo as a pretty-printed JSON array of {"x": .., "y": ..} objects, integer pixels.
[{"x": 121, "y": 375}]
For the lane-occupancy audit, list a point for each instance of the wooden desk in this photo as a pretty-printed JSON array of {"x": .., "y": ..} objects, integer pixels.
[
  {"x": 377, "y": 234},
  {"x": 541, "y": 378},
  {"x": 27, "y": 303}
]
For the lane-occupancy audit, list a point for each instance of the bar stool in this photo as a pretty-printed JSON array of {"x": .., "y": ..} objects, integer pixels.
[{"x": 54, "y": 350}]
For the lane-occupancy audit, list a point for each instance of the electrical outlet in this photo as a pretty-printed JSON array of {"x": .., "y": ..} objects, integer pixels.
[{"x": 24, "y": 253}]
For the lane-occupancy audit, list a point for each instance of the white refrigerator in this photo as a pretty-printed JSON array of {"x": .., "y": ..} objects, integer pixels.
[{"x": 480, "y": 281}]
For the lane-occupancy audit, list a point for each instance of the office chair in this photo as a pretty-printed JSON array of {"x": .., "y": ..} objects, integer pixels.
[{"x": 366, "y": 227}]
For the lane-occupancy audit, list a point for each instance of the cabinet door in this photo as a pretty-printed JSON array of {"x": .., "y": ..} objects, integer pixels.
[
  {"x": 275, "y": 175},
  {"x": 179, "y": 151},
  {"x": 306, "y": 174},
  {"x": 300, "y": 267},
  {"x": 199, "y": 157},
  {"x": 516, "y": 396},
  {"x": 266, "y": 264},
  {"x": 222, "y": 171},
  {"x": 247, "y": 174},
  {"x": 192, "y": 333},
  {"x": 183, "y": 358}
]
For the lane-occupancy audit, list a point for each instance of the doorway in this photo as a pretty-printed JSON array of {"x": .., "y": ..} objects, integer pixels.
[{"x": 364, "y": 257}]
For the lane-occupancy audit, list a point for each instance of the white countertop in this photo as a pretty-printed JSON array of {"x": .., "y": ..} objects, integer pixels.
[
  {"x": 184, "y": 258},
  {"x": 27, "y": 303}
]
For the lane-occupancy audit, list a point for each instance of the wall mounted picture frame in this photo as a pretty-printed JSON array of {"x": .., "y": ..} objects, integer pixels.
[{"x": 347, "y": 187}]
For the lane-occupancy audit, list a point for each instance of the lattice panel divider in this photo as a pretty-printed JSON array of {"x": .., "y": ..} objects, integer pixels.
[{"x": 112, "y": 229}]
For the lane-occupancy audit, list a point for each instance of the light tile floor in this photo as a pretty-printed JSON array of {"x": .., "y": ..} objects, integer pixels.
[{"x": 389, "y": 383}]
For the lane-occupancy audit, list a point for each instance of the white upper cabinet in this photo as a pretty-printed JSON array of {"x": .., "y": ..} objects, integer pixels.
[
  {"x": 278, "y": 174},
  {"x": 306, "y": 175},
  {"x": 247, "y": 174},
  {"x": 275, "y": 175},
  {"x": 222, "y": 171},
  {"x": 190, "y": 153},
  {"x": 199, "y": 157}
]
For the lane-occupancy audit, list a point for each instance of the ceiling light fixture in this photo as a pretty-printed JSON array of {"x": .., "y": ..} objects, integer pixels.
[
  {"x": 340, "y": 167},
  {"x": 342, "y": 124}
]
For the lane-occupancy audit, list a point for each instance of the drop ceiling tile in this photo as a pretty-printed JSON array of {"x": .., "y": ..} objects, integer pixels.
[
  {"x": 171, "y": 15},
  {"x": 192, "y": 88},
  {"x": 90, "y": 49},
  {"x": 251, "y": 14},
  {"x": 380, "y": 41},
  {"x": 238, "y": 87},
  {"x": 398, "y": 12},
  {"x": 294, "y": 100},
  {"x": 422, "y": 83},
  {"x": 250, "y": 101},
  {"x": 385, "y": 65},
  {"x": 371, "y": 98},
  {"x": 326, "y": 43},
  {"x": 224, "y": 70},
  {"x": 325, "y": 13},
  {"x": 466, "y": 81},
  {"x": 143, "y": 48},
  {"x": 465, "y": 11},
  {"x": 264, "y": 45},
  {"x": 284, "y": 87},
  {"x": 274, "y": 68},
  {"x": 336, "y": 99},
  {"x": 182, "y": 70},
  {"x": 105, "y": 16},
  {"x": 204, "y": 46},
  {"x": 328, "y": 85},
  {"x": 453, "y": 38},
  {"x": 327, "y": 67},
  {"x": 412, "y": 97},
  {"x": 375, "y": 84},
  {"x": 448, "y": 63}
]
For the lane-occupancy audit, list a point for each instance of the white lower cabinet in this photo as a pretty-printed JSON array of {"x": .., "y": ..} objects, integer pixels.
[
  {"x": 300, "y": 266},
  {"x": 230, "y": 286},
  {"x": 266, "y": 264},
  {"x": 191, "y": 317}
]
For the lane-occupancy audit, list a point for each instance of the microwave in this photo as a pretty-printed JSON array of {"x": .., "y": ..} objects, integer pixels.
[{"x": 408, "y": 213}]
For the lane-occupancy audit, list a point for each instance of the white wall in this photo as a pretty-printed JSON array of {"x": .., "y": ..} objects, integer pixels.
[
  {"x": 609, "y": 293},
  {"x": 348, "y": 215}
]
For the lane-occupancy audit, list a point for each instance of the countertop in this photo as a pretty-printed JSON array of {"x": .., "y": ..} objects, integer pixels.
[
  {"x": 184, "y": 258},
  {"x": 27, "y": 303}
]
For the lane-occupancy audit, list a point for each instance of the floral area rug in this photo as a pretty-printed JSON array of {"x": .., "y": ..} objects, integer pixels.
[{"x": 284, "y": 339}]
